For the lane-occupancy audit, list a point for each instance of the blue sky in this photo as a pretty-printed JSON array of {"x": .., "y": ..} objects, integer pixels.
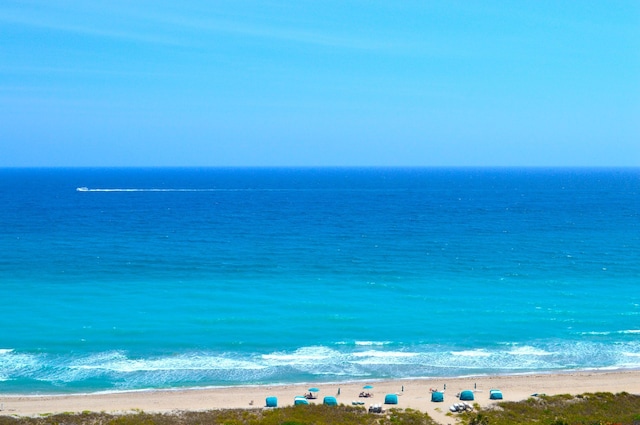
[{"x": 319, "y": 83}]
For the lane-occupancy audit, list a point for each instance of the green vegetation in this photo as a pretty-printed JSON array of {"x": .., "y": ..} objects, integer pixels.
[
  {"x": 586, "y": 409},
  {"x": 295, "y": 415}
]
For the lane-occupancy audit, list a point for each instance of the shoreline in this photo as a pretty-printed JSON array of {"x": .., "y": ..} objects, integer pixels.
[
  {"x": 325, "y": 384},
  {"x": 412, "y": 393}
]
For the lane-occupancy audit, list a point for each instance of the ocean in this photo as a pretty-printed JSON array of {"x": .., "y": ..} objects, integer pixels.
[{"x": 134, "y": 279}]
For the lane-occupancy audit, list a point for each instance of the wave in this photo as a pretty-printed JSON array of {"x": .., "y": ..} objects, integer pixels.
[
  {"x": 384, "y": 354},
  {"x": 120, "y": 370},
  {"x": 529, "y": 351},
  {"x": 471, "y": 353},
  {"x": 300, "y": 356},
  {"x": 605, "y": 333},
  {"x": 119, "y": 362}
]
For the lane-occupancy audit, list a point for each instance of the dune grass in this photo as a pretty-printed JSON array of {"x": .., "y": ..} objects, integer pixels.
[
  {"x": 294, "y": 415},
  {"x": 586, "y": 409}
]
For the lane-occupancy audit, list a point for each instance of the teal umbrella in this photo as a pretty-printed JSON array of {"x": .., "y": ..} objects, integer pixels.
[
  {"x": 368, "y": 387},
  {"x": 313, "y": 390}
]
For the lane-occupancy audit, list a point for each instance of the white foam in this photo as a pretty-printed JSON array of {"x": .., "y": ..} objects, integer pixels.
[
  {"x": 304, "y": 355},
  {"x": 292, "y": 357},
  {"x": 471, "y": 353},
  {"x": 529, "y": 351},
  {"x": 6, "y": 350},
  {"x": 384, "y": 354},
  {"x": 117, "y": 362},
  {"x": 127, "y": 372},
  {"x": 372, "y": 343},
  {"x": 19, "y": 360}
]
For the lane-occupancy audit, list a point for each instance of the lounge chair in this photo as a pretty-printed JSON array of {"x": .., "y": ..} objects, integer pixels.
[
  {"x": 375, "y": 408},
  {"x": 300, "y": 400}
]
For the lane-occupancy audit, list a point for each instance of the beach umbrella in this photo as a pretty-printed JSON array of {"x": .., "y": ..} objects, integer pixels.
[
  {"x": 314, "y": 390},
  {"x": 368, "y": 387}
]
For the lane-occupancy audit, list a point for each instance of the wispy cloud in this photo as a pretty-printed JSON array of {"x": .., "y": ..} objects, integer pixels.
[
  {"x": 50, "y": 23},
  {"x": 288, "y": 34},
  {"x": 182, "y": 28},
  {"x": 23, "y": 70}
]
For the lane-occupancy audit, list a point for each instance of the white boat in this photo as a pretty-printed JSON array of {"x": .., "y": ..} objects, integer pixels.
[{"x": 82, "y": 189}]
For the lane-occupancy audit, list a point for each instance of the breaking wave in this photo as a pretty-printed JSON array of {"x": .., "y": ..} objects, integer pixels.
[{"x": 119, "y": 370}]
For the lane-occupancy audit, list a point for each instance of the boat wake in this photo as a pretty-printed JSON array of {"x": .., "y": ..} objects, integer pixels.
[{"x": 86, "y": 189}]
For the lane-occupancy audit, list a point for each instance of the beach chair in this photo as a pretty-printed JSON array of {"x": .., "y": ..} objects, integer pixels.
[
  {"x": 375, "y": 408},
  {"x": 300, "y": 400}
]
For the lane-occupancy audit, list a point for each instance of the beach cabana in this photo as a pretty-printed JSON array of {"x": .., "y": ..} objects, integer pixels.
[
  {"x": 495, "y": 394},
  {"x": 391, "y": 399},
  {"x": 300, "y": 400},
  {"x": 330, "y": 401},
  {"x": 272, "y": 401},
  {"x": 466, "y": 395},
  {"x": 437, "y": 396}
]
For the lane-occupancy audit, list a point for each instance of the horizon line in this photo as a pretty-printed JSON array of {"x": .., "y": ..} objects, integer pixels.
[{"x": 4, "y": 167}]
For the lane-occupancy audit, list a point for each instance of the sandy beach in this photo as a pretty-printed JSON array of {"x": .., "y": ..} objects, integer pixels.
[{"x": 413, "y": 393}]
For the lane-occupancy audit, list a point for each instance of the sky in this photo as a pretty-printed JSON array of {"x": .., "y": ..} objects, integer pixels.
[{"x": 319, "y": 83}]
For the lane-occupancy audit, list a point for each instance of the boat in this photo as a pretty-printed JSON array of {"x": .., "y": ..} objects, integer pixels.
[{"x": 82, "y": 189}]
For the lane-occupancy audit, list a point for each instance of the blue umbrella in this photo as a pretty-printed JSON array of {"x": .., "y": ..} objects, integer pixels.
[
  {"x": 313, "y": 390},
  {"x": 368, "y": 387}
]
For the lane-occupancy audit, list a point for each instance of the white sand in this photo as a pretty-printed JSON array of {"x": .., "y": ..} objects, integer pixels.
[{"x": 416, "y": 394}]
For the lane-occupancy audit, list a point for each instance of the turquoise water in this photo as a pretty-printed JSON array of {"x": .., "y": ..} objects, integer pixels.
[{"x": 162, "y": 278}]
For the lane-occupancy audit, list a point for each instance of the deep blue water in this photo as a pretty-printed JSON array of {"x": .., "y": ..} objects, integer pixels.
[{"x": 156, "y": 278}]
